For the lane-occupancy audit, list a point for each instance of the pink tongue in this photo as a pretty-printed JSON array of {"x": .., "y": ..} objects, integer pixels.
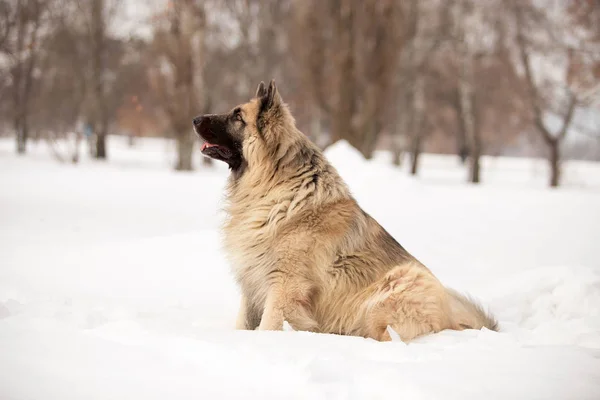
[{"x": 206, "y": 145}]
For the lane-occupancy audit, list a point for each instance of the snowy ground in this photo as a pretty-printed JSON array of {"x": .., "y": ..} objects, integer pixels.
[{"x": 113, "y": 286}]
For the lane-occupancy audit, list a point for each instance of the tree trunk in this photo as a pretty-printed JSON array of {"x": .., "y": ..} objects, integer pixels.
[
  {"x": 21, "y": 135},
  {"x": 21, "y": 142},
  {"x": 101, "y": 146},
  {"x": 475, "y": 144},
  {"x": 474, "y": 162},
  {"x": 554, "y": 160},
  {"x": 403, "y": 119},
  {"x": 475, "y": 153},
  {"x": 418, "y": 100},
  {"x": 341, "y": 123},
  {"x": 185, "y": 149},
  {"x": 462, "y": 148},
  {"x": 416, "y": 153},
  {"x": 25, "y": 66},
  {"x": 398, "y": 145},
  {"x": 370, "y": 140},
  {"x": 75, "y": 155},
  {"x": 98, "y": 31},
  {"x": 91, "y": 145},
  {"x": 468, "y": 113}
]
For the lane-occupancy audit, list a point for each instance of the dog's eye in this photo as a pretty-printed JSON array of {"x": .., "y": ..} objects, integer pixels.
[{"x": 238, "y": 117}]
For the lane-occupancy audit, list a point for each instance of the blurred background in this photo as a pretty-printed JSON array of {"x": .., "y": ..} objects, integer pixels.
[
  {"x": 113, "y": 282},
  {"x": 463, "y": 77}
]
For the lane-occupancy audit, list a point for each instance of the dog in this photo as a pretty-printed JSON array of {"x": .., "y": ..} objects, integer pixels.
[{"x": 303, "y": 250}]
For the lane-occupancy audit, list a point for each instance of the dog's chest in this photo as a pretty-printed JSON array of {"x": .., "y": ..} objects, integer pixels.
[{"x": 250, "y": 239}]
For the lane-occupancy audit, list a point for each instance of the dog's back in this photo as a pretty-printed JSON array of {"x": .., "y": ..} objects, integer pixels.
[{"x": 347, "y": 273}]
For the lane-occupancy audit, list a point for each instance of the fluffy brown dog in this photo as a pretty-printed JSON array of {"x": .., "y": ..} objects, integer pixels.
[{"x": 302, "y": 249}]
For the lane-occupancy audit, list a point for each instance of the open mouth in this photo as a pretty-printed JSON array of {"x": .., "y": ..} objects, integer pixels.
[{"x": 215, "y": 151}]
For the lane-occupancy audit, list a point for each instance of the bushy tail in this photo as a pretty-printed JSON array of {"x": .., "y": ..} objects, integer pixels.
[{"x": 469, "y": 314}]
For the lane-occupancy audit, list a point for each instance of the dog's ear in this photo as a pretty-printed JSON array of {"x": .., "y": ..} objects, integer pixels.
[
  {"x": 261, "y": 90},
  {"x": 271, "y": 98},
  {"x": 270, "y": 103}
]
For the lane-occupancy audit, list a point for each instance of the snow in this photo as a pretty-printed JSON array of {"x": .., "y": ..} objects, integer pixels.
[{"x": 113, "y": 284}]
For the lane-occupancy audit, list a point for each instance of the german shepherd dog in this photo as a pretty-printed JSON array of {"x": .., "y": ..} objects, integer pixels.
[{"x": 302, "y": 249}]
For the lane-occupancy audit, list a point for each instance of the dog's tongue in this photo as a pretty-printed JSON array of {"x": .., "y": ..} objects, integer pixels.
[{"x": 207, "y": 145}]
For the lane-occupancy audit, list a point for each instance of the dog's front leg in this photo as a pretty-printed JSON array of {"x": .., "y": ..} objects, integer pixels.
[
  {"x": 241, "y": 322},
  {"x": 248, "y": 316},
  {"x": 289, "y": 302},
  {"x": 273, "y": 315}
]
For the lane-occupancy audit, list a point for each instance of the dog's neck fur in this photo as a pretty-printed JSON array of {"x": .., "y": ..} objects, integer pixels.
[
  {"x": 286, "y": 183},
  {"x": 283, "y": 177}
]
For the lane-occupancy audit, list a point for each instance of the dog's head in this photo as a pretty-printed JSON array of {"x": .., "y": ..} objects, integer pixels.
[{"x": 248, "y": 132}]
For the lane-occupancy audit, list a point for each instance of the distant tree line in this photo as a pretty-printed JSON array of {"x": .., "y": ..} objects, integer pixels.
[{"x": 467, "y": 77}]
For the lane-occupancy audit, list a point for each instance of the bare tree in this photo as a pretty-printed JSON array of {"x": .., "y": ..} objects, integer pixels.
[
  {"x": 251, "y": 47},
  {"x": 466, "y": 86},
  {"x": 416, "y": 122},
  {"x": 97, "y": 17},
  {"x": 426, "y": 29},
  {"x": 478, "y": 82},
  {"x": 64, "y": 62},
  {"x": 97, "y": 30},
  {"x": 177, "y": 74},
  {"x": 353, "y": 91},
  {"x": 406, "y": 85},
  {"x": 544, "y": 95},
  {"x": 23, "y": 49}
]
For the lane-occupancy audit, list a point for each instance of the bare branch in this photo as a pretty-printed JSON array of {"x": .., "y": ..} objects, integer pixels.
[
  {"x": 529, "y": 79},
  {"x": 568, "y": 118}
]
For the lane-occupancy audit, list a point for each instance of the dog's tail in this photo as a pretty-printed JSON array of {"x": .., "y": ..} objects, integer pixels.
[{"x": 466, "y": 313}]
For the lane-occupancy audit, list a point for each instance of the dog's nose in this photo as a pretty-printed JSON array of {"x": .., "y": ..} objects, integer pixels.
[{"x": 198, "y": 120}]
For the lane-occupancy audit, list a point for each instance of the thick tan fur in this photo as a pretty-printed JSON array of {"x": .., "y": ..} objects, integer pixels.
[{"x": 303, "y": 251}]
